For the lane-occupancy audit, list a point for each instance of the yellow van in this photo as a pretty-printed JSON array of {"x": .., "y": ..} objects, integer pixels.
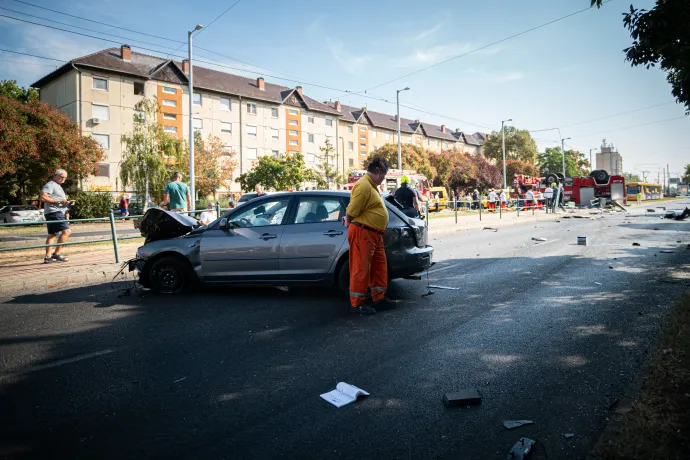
[{"x": 438, "y": 199}]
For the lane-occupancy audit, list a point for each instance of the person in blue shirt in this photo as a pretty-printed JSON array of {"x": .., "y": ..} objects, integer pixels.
[{"x": 177, "y": 195}]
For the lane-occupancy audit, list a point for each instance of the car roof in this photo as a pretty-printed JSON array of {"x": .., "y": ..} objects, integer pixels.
[{"x": 312, "y": 192}]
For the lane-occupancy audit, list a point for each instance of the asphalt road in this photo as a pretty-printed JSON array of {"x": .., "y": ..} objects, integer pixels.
[{"x": 547, "y": 331}]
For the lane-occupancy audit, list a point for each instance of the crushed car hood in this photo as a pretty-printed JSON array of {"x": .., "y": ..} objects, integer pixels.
[{"x": 159, "y": 224}]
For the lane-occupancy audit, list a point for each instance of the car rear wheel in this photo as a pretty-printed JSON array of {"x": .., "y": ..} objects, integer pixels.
[
  {"x": 168, "y": 276},
  {"x": 344, "y": 278}
]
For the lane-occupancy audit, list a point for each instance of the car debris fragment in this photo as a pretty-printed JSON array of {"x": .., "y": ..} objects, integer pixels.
[
  {"x": 466, "y": 397},
  {"x": 510, "y": 424},
  {"x": 522, "y": 449},
  {"x": 569, "y": 435},
  {"x": 539, "y": 239}
]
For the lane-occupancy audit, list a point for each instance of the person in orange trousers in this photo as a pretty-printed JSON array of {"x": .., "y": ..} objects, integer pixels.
[{"x": 366, "y": 220}]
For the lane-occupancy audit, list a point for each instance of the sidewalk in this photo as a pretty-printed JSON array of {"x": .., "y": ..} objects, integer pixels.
[
  {"x": 83, "y": 268},
  {"x": 466, "y": 221}
]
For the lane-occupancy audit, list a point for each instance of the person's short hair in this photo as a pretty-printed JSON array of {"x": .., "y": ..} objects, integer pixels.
[
  {"x": 378, "y": 165},
  {"x": 177, "y": 174},
  {"x": 60, "y": 171}
]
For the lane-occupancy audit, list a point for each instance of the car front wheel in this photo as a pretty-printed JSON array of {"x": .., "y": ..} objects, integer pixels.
[{"x": 168, "y": 276}]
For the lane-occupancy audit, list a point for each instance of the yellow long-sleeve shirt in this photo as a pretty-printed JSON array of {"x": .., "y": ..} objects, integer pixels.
[{"x": 366, "y": 204}]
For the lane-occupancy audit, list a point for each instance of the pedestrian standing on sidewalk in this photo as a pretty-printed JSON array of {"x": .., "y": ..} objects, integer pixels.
[
  {"x": 548, "y": 196},
  {"x": 177, "y": 195},
  {"x": 540, "y": 200},
  {"x": 366, "y": 220},
  {"x": 124, "y": 206},
  {"x": 529, "y": 198},
  {"x": 55, "y": 205},
  {"x": 492, "y": 200},
  {"x": 468, "y": 199},
  {"x": 475, "y": 199},
  {"x": 504, "y": 199},
  {"x": 639, "y": 196}
]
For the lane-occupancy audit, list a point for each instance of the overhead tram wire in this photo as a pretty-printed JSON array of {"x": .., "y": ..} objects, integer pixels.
[
  {"x": 34, "y": 55},
  {"x": 630, "y": 127},
  {"x": 217, "y": 18},
  {"x": 481, "y": 48}
]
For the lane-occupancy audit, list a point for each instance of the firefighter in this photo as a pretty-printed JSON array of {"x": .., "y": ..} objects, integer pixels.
[
  {"x": 366, "y": 220},
  {"x": 407, "y": 197}
]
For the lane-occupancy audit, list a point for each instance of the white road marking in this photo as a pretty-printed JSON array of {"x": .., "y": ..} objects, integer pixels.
[
  {"x": 61, "y": 362},
  {"x": 445, "y": 287},
  {"x": 445, "y": 268}
]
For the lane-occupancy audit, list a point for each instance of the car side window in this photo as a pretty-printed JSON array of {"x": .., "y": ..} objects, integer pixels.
[
  {"x": 319, "y": 209},
  {"x": 265, "y": 213}
]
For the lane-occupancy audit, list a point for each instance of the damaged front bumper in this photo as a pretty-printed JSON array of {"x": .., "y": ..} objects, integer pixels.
[{"x": 137, "y": 264}]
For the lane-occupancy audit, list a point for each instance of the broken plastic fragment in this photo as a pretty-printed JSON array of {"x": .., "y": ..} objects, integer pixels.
[
  {"x": 539, "y": 239},
  {"x": 569, "y": 435},
  {"x": 510, "y": 424}
]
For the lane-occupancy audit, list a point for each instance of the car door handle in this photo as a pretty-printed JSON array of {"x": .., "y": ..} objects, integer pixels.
[
  {"x": 333, "y": 233},
  {"x": 268, "y": 236}
]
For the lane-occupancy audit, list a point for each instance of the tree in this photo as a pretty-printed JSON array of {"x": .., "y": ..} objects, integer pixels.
[
  {"x": 454, "y": 170},
  {"x": 486, "y": 176},
  {"x": 686, "y": 177},
  {"x": 661, "y": 37},
  {"x": 288, "y": 171},
  {"x": 520, "y": 167},
  {"x": 35, "y": 140},
  {"x": 213, "y": 164},
  {"x": 551, "y": 161},
  {"x": 148, "y": 151},
  {"x": 629, "y": 177},
  {"x": 9, "y": 88},
  {"x": 519, "y": 146},
  {"x": 329, "y": 172},
  {"x": 413, "y": 158}
]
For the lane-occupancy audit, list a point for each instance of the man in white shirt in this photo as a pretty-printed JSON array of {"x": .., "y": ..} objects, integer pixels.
[
  {"x": 492, "y": 200},
  {"x": 207, "y": 216},
  {"x": 504, "y": 199},
  {"x": 548, "y": 195},
  {"x": 529, "y": 197},
  {"x": 540, "y": 200}
]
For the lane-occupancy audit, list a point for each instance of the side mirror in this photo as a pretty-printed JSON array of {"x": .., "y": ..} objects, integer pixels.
[{"x": 223, "y": 223}]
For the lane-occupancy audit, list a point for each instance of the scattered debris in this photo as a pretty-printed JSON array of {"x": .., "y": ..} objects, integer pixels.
[
  {"x": 666, "y": 251},
  {"x": 610, "y": 267},
  {"x": 510, "y": 424},
  {"x": 656, "y": 228},
  {"x": 577, "y": 216},
  {"x": 582, "y": 240},
  {"x": 636, "y": 244},
  {"x": 651, "y": 210},
  {"x": 597, "y": 282},
  {"x": 522, "y": 449},
  {"x": 490, "y": 228},
  {"x": 343, "y": 394},
  {"x": 569, "y": 435},
  {"x": 678, "y": 241},
  {"x": 677, "y": 215},
  {"x": 445, "y": 287},
  {"x": 179, "y": 380},
  {"x": 464, "y": 397},
  {"x": 539, "y": 239}
]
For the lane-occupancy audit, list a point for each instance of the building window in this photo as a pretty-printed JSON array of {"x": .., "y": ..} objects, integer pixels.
[
  {"x": 445, "y": 144},
  {"x": 103, "y": 170},
  {"x": 363, "y": 137},
  {"x": 197, "y": 99},
  {"x": 139, "y": 116},
  {"x": 363, "y": 152},
  {"x": 293, "y": 112},
  {"x": 351, "y": 162},
  {"x": 310, "y": 138},
  {"x": 274, "y": 112},
  {"x": 349, "y": 129},
  {"x": 225, "y": 127},
  {"x": 293, "y": 132},
  {"x": 251, "y": 131},
  {"x": 374, "y": 147},
  {"x": 388, "y": 136},
  {"x": 169, "y": 116},
  {"x": 329, "y": 122},
  {"x": 437, "y": 142},
  {"x": 350, "y": 146},
  {"x": 310, "y": 119},
  {"x": 311, "y": 158},
  {"x": 169, "y": 90},
  {"x": 275, "y": 153},
  {"x": 170, "y": 129},
  {"x": 251, "y": 153},
  {"x": 274, "y": 133},
  {"x": 293, "y": 122},
  {"x": 225, "y": 104},
  {"x": 363, "y": 129},
  {"x": 409, "y": 138},
  {"x": 251, "y": 108},
  {"x": 294, "y": 142},
  {"x": 169, "y": 102},
  {"x": 100, "y": 83},
  {"x": 197, "y": 124},
  {"x": 138, "y": 88},
  {"x": 364, "y": 146},
  {"x": 373, "y": 133},
  {"x": 102, "y": 112},
  {"x": 103, "y": 139}
]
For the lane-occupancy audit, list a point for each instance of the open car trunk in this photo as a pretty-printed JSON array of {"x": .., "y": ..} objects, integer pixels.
[{"x": 159, "y": 224}]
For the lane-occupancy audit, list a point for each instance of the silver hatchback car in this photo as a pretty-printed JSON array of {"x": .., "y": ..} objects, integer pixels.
[{"x": 282, "y": 239}]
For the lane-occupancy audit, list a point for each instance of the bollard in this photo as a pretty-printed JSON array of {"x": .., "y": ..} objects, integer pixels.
[
  {"x": 114, "y": 235},
  {"x": 500, "y": 209},
  {"x": 217, "y": 208},
  {"x": 517, "y": 205},
  {"x": 480, "y": 209},
  {"x": 533, "y": 206},
  {"x": 456, "y": 210},
  {"x": 426, "y": 211}
]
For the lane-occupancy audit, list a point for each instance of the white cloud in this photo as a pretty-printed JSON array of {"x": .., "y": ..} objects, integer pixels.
[
  {"x": 428, "y": 32},
  {"x": 352, "y": 63},
  {"x": 481, "y": 74},
  {"x": 438, "y": 53}
]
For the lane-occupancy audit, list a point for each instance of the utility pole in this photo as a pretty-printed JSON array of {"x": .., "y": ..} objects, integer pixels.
[
  {"x": 192, "y": 191},
  {"x": 644, "y": 176},
  {"x": 503, "y": 133},
  {"x": 397, "y": 103},
  {"x": 563, "y": 152}
]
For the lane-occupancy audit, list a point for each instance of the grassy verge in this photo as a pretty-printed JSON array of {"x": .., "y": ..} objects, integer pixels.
[{"x": 658, "y": 427}]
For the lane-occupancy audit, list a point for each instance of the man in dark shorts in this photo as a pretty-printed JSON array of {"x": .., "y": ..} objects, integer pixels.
[
  {"x": 407, "y": 197},
  {"x": 55, "y": 205}
]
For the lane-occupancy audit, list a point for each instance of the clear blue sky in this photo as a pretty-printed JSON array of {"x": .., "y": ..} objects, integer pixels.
[{"x": 565, "y": 73}]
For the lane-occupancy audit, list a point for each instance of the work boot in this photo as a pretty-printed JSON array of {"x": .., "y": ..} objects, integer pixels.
[
  {"x": 363, "y": 310},
  {"x": 385, "y": 304}
]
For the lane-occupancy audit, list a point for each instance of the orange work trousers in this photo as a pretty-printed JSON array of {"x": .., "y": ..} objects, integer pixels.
[{"x": 367, "y": 265}]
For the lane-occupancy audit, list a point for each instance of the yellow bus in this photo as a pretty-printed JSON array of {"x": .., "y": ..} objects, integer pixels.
[{"x": 649, "y": 191}]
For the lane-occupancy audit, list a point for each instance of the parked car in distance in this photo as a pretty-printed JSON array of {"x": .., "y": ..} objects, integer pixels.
[
  {"x": 438, "y": 199},
  {"x": 17, "y": 213},
  {"x": 287, "y": 238}
]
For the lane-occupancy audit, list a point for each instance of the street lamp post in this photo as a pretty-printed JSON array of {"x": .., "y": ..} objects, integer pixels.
[
  {"x": 397, "y": 103},
  {"x": 192, "y": 190},
  {"x": 563, "y": 152},
  {"x": 503, "y": 134}
]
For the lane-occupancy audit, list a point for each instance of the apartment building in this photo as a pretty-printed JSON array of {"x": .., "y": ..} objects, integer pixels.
[
  {"x": 251, "y": 117},
  {"x": 361, "y": 131}
]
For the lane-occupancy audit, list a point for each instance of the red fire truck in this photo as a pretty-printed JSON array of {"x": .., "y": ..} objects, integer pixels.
[
  {"x": 392, "y": 181},
  {"x": 580, "y": 190}
]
